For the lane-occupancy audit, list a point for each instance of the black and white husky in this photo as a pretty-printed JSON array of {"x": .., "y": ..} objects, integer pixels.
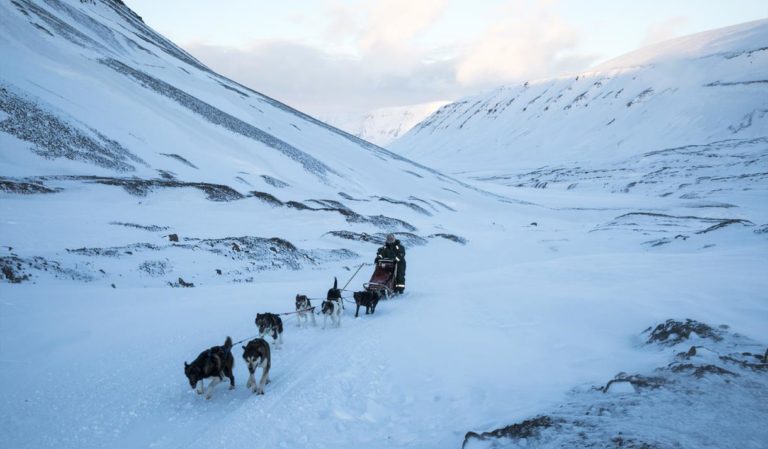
[
  {"x": 271, "y": 324},
  {"x": 332, "y": 306},
  {"x": 257, "y": 355},
  {"x": 304, "y": 311},
  {"x": 215, "y": 362}
]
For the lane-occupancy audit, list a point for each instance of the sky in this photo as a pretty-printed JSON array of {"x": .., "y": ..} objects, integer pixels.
[{"x": 334, "y": 58}]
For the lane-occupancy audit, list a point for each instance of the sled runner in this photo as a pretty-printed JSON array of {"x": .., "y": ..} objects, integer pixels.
[{"x": 383, "y": 278}]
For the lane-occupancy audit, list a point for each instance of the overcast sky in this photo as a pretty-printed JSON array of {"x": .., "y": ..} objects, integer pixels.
[{"x": 330, "y": 57}]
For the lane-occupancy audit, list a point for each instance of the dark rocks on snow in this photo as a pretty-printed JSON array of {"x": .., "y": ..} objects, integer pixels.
[
  {"x": 444, "y": 205},
  {"x": 451, "y": 237},
  {"x": 24, "y": 188},
  {"x": 53, "y": 137},
  {"x": 724, "y": 223},
  {"x": 181, "y": 283},
  {"x": 379, "y": 238},
  {"x": 721, "y": 378},
  {"x": 116, "y": 251},
  {"x": 15, "y": 269},
  {"x": 141, "y": 187},
  {"x": 622, "y": 442},
  {"x": 151, "y": 228},
  {"x": 264, "y": 253},
  {"x": 699, "y": 371},
  {"x": 173, "y": 237},
  {"x": 326, "y": 205},
  {"x": 180, "y": 159},
  {"x": 266, "y": 197},
  {"x": 298, "y": 205},
  {"x": 165, "y": 174},
  {"x": 390, "y": 224},
  {"x": 526, "y": 429},
  {"x": 412, "y": 206},
  {"x": 7, "y": 269},
  {"x": 274, "y": 182},
  {"x": 154, "y": 268},
  {"x": 637, "y": 381},
  {"x": 673, "y": 332},
  {"x": 350, "y": 197}
]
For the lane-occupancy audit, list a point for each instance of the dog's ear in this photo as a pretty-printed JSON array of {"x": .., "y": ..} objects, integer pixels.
[
  {"x": 335, "y": 284},
  {"x": 186, "y": 365},
  {"x": 243, "y": 348}
]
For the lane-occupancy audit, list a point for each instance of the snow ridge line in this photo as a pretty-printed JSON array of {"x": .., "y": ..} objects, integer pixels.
[{"x": 218, "y": 117}]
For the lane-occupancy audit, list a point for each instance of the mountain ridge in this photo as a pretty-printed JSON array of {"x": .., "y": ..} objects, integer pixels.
[{"x": 625, "y": 107}]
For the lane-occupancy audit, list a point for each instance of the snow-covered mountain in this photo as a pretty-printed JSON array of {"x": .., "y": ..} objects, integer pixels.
[
  {"x": 639, "y": 121},
  {"x": 128, "y": 168},
  {"x": 384, "y": 125},
  {"x": 99, "y": 113}
]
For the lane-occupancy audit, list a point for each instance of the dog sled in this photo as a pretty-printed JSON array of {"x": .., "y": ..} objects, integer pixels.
[{"x": 383, "y": 278}]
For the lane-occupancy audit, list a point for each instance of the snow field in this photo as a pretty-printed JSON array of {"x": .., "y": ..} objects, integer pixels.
[{"x": 472, "y": 345}]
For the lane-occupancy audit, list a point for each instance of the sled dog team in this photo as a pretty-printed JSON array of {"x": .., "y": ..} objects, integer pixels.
[{"x": 217, "y": 361}]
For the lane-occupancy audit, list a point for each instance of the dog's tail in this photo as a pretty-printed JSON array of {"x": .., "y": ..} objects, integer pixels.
[{"x": 228, "y": 344}]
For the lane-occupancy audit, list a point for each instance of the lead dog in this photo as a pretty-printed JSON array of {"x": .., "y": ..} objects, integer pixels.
[
  {"x": 271, "y": 324},
  {"x": 257, "y": 355},
  {"x": 304, "y": 310},
  {"x": 215, "y": 362},
  {"x": 368, "y": 299},
  {"x": 332, "y": 306}
]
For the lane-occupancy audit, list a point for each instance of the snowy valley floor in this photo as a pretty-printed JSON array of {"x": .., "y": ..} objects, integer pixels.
[{"x": 492, "y": 333}]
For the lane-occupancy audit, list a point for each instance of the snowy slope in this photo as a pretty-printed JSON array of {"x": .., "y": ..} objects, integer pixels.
[
  {"x": 705, "y": 89},
  {"x": 100, "y": 113},
  {"x": 384, "y": 125},
  {"x": 518, "y": 303}
]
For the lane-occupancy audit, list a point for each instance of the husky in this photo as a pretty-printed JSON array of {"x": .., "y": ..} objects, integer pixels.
[
  {"x": 332, "y": 306},
  {"x": 304, "y": 311},
  {"x": 271, "y": 324},
  {"x": 215, "y": 362},
  {"x": 368, "y": 299},
  {"x": 257, "y": 355},
  {"x": 334, "y": 293}
]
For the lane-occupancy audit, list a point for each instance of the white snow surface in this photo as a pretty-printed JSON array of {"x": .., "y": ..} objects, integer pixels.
[{"x": 546, "y": 298}]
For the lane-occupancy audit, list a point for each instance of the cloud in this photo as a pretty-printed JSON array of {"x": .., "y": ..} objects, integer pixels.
[
  {"x": 662, "y": 31},
  {"x": 385, "y": 66},
  {"x": 392, "y": 23},
  {"x": 528, "y": 41},
  {"x": 322, "y": 84}
]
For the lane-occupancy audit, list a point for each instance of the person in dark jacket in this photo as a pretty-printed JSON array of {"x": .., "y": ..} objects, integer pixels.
[{"x": 394, "y": 250}]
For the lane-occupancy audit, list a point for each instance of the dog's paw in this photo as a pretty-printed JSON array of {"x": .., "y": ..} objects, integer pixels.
[
  {"x": 231, "y": 387},
  {"x": 208, "y": 396}
]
